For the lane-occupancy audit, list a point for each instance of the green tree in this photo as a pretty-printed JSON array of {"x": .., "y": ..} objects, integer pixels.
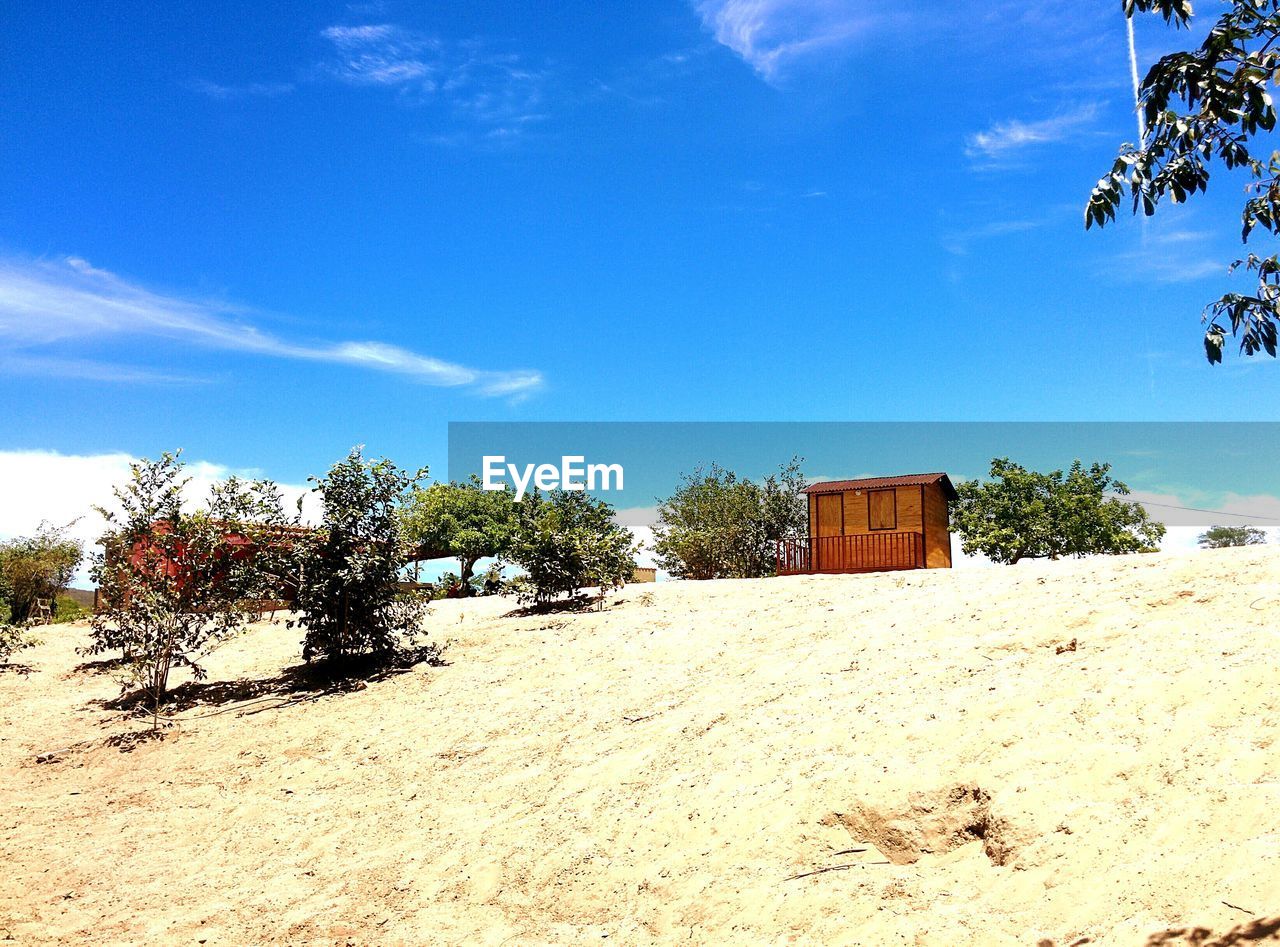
[
  {"x": 1199, "y": 107},
  {"x": 718, "y": 525},
  {"x": 37, "y": 568},
  {"x": 1220, "y": 537},
  {"x": 349, "y": 596},
  {"x": 1021, "y": 514},
  {"x": 462, "y": 521},
  {"x": 173, "y": 583},
  {"x": 566, "y": 541}
]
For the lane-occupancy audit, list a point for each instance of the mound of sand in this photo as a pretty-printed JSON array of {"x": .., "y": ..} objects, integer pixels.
[{"x": 1061, "y": 753}]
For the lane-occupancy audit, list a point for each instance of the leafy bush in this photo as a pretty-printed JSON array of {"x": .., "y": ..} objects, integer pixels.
[
  {"x": 68, "y": 610},
  {"x": 37, "y": 567},
  {"x": 717, "y": 525},
  {"x": 1222, "y": 537},
  {"x": 567, "y": 541},
  {"x": 348, "y": 597},
  {"x": 172, "y": 584},
  {"x": 1021, "y": 514},
  {"x": 460, "y": 520}
]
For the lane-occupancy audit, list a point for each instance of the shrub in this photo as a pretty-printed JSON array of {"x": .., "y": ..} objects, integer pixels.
[
  {"x": 348, "y": 598},
  {"x": 567, "y": 541},
  {"x": 717, "y": 525},
  {"x": 172, "y": 584},
  {"x": 1021, "y": 514},
  {"x": 1222, "y": 537},
  {"x": 37, "y": 567},
  {"x": 68, "y": 610}
]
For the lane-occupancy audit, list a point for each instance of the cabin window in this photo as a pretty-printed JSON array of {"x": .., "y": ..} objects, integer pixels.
[{"x": 882, "y": 509}]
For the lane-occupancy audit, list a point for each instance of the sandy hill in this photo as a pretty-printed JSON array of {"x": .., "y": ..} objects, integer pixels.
[{"x": 1065, "y": 753}]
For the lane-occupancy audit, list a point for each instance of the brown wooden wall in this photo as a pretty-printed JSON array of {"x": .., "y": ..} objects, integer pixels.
[
  {"x": 857, "y": 505},
  {"x": 937, "y": 529},
  {"x": 920, "y": 509}
]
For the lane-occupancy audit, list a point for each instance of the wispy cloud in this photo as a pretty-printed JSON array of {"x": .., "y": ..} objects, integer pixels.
[
  {"x": 1005, "y": 141},
  {"x": 958, "y": 242},
  {"x": 216, "y": 90},
  {"x": 490, "y": 91},
  {"x": 772, "y": 35},
  {"x": 84, "y": 369},
  {"x": 44, "y": 304},
  {"x": 382, "y": 54},
  {"x": 1169, "y": 255}
]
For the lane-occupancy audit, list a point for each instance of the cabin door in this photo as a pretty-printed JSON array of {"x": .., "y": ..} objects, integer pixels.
[{"x": 830, "y": 524}]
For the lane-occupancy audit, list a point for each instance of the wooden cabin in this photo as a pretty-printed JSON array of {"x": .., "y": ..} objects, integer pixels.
[{"x": 873, "y": 525}]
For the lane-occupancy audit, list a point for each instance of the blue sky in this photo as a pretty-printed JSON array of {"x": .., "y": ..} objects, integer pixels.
[{"x": 264, "y": 233}]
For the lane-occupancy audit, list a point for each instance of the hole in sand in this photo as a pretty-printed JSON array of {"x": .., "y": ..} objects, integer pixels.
[{"x": 931, "y": 823}]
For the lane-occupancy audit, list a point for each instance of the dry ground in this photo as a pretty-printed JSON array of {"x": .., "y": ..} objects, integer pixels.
[{"x": 683, "y": 766}]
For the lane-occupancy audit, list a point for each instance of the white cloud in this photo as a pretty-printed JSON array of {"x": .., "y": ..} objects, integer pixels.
[
  {"x": 215, "y": 90},
  {"x": 493, "y": 92},
  {"x": 380, "y": 54},
  {"x": 958, "y": 242},
  {"x": 1169, "y": 256},
  {"x": 1005, "y": 139},
  {"x": 45, "y": 486},
  {"x": 46, "y": 303},
  {"x": 1233, "y": 509},
  {"x": 39, "y": 366},
  {"x": 772, "y": 35}
]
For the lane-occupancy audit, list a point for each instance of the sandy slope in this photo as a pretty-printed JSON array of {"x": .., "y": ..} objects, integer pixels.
[{"x": 661, "y": 771}]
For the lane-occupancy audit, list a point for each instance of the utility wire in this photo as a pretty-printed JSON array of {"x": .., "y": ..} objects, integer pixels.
[{"x": 1193, "y": 509}]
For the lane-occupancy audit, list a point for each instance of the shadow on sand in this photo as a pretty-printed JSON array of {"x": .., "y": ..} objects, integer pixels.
[{"x": 292, "y": 685}]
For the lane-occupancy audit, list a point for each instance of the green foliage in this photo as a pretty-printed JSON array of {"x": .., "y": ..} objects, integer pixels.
[
  {"x": 348, "y": 597},
  {"x": 717, "y": 525},
  {"x": 1021, "y": 514},
  {"x": 172, "y": 583},
  {"x": 491, "y": 582},
  {"x": 1220, "y": 537},
  {"x": 1198, "y": 106},
  {"x": 69, "y": 610},
  {"x": 36, "y": 568},
  {"x": 14, "y": 638},
  {"x": 460, "y": 520},
  {"x": 567, "y": 541}
]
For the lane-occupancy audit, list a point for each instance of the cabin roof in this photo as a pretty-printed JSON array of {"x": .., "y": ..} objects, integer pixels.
[{"x": 876, "y": 483}]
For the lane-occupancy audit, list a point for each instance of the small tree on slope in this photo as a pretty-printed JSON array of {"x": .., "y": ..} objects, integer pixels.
[
  {"x": 348, "y": 598},
  {"x": 567, "y": 541},
  {"x": 174, "y": 583},
  {"x": 718, "y": 525},
  {"x": 1021, "y": 514}
]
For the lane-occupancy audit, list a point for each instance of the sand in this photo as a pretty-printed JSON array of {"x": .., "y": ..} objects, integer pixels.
[{"x": 909, "y": 758}]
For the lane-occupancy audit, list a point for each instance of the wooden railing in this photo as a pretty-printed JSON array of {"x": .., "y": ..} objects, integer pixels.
[{"x": 869, "y": 552}]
